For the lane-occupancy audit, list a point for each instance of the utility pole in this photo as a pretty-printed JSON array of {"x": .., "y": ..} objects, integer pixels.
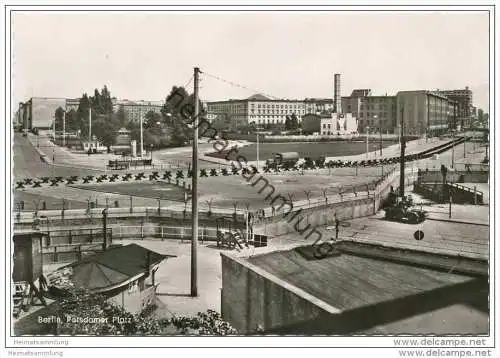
[
  {"x": 90, "y": 130},
  {"x": 465, "y": 140},
  {"x": 453, "y": 148},
  {"x": 142, "y": 137},
  {"x": 257, "y": 150},
  {"x": 402, "y": 159},
  {"x": 380, "y": 137},
  {"x": 194, "y": 194},
  {"x": 367, "y": 148},
  {"x": 54, "y": 130},
  {"x": 64, "y": 130}
]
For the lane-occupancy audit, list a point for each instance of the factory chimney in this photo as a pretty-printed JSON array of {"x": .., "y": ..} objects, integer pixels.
[{"x": 336, "y": 94}]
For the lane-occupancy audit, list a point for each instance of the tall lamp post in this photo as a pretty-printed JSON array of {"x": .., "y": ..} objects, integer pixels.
[
  {"x": 380, "y": 133},
  {"x": 453, "y": 148},
  {"x": 257, "y": 150},
  {"x": 367, "y": 132},
  {"x": 64, "y": 130},
  {"x": 142, "y": 138}
]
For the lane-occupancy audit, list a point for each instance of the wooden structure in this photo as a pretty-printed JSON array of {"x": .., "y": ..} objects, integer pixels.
[{"x": 28, "y": 269}]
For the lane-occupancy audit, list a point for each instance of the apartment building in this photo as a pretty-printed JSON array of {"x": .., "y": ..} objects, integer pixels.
[
  {"x": 135, "y": 109},
  {"x": 374, "y": 113},
  {"x": 465, "y": 108},
  {"x": 425, "y": 113},
  {"x": 39, "y": 112}
]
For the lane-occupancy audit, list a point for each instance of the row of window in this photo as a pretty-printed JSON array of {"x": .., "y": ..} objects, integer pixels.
[
  {"x": 270, "y": 121},
  {"x": 273, "y": 116},
  {"x": 283, "y": 111},
  {"x": 264, "y": 105},
  {"x": 380, "y": 107}
]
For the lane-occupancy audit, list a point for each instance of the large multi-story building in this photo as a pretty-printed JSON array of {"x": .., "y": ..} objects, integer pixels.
[
  {"x": 261, "y": 110},
  {"x": 39, "y": 112},
  {"x": 135, "y": 109},
  {"x": 463, "y": 98},
  {"x": 375, "y": 113},
  {"x": 425, "y": 113}
]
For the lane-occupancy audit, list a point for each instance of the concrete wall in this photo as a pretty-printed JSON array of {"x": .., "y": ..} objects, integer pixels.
[
  {"x": 434, "y": 176},
  {"x": 253, "y": 299},
  {"x": 320, "y": 215}
]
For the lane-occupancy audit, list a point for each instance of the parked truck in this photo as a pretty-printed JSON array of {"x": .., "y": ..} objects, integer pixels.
[{"x": 285, "y": 158}]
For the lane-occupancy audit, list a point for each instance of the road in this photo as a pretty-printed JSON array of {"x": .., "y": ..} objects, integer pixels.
[{"x": 27, "y": 162}]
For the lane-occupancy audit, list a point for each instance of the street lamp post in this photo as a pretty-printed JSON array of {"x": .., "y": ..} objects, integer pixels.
[
  {"x": 465, "y": 140},
  {"x": 151, "y": 146},
  {"x": 453, "y": 148},
  {"x": 64, "y": 129},
  {"x": 257, "y": 150},
  {"x": 380, "y": 133},
  {"x": 367, "y": 132},
  {"x": 142, "y": 138}
]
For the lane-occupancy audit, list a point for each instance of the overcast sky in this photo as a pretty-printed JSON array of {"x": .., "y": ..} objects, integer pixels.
[{"x": 287, "y": 55}]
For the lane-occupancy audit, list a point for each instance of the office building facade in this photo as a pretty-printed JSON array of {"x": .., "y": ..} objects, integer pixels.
[
  {"x": 425, "y": 113},
  {"x": 374, "y": 113},
  {"x": 465, "y": 108},
  {"x": 39, "y": 112},
  {"x": 135, "y": 109}
]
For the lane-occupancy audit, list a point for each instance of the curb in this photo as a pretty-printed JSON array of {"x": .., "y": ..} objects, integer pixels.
[{"x": 459, "y": 222}]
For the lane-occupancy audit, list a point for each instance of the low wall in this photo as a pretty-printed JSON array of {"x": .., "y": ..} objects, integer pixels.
[
  {"x": 462, "y": 176},
  {"x": 440, "y": 193},
  {"x": 253, "y": 299},
  {"x": 320, "y": 215}
]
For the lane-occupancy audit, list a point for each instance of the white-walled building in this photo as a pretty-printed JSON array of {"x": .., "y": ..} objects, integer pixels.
[
  {"x": 260, "y": 110},
  {"x": 339, "y": 124}
]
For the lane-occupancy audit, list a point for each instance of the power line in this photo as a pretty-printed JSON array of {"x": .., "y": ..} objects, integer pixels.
[
  {"x": 188, "y": 82},
  {"x": 234, "y": 84}
]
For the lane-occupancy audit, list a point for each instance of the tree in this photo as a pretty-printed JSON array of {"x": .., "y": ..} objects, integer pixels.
[
  {"x": 72, "y": 124},
  {"x": 96, "y": 102},
  {"x": 152, "y": 119},
  {"x": 106, "y": 101},
  {"x": 294, "y": 121},
  {"x": 177, "y": 113},
  {"x": 291, "y": 122},
  {"x": 59, "y": 118},
  {"x": 109, "y": 319},
  {"x": 82, "y": 114},
  {"x": 121, "y": 116},
  {"x": 105, "y": 130},
  {"x": 311, "y": 123}
]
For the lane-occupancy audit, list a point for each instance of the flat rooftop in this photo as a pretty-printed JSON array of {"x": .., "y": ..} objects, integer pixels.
[{"x": 384, "y": 290}]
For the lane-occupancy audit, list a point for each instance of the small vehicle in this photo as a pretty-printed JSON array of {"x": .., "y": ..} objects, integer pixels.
[
  {"x": 400, "y": 210},
  {"x": 279, "y": 159}
]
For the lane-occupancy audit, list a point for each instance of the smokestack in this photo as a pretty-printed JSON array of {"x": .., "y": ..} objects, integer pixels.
[{"x": 336, "y": 94}]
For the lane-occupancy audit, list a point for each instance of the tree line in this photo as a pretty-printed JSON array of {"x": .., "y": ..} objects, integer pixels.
[{"x": 160, "y": 130}]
